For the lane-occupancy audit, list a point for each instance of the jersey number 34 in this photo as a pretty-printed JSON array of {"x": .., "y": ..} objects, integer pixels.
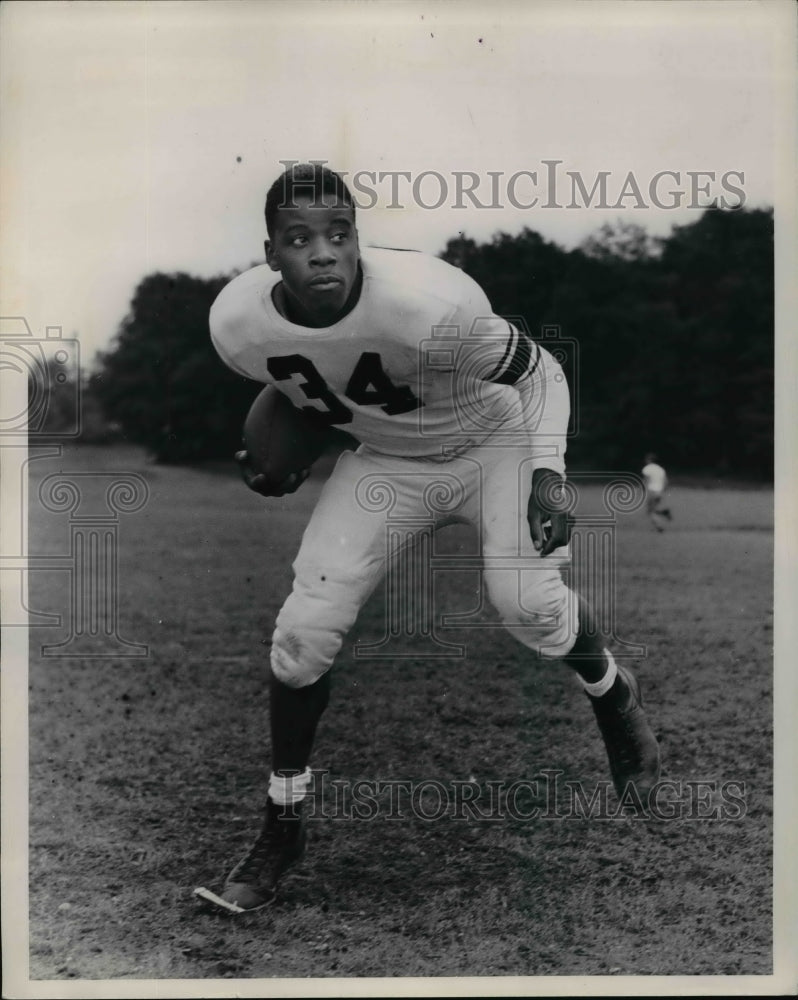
[{"x": 368, "y": 385}]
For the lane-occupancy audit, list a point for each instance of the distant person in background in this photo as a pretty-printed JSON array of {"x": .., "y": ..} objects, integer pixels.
[{"x": 656, "y": 483}]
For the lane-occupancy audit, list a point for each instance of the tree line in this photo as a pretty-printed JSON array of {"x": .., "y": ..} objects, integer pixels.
[{"x": 671, "y": 341}]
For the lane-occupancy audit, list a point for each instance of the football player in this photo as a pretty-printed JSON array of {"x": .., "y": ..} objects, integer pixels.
[
  {"x": 403, "y": 351},
  {"x": 656, "y": 480}
]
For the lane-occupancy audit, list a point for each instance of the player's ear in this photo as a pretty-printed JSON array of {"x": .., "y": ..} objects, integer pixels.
[{"x": 268, "y": 249}]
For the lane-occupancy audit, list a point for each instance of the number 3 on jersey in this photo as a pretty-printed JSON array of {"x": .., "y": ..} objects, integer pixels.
[{"x": 367, "y": 386}]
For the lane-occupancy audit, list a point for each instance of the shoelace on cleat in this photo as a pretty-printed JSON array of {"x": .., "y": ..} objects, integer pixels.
[
  {"x": 626, "y": 753},
  {"x": 258, "y": 856},
  {"x": 620, "y": 724}
]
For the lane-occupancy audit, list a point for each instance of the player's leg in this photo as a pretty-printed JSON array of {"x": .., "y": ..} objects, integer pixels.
[
  {"x": 341, "y": 559},
  {"x": 614, "y": 694},
  {"x": 294, "y": 714},
  {"x": 339, "y": 562},
  {"x": 541, "y": 611},
  {"x": 653, "y": 509}
]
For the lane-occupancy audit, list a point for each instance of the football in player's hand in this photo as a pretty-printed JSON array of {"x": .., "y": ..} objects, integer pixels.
[{"x": 280, "y": 439}]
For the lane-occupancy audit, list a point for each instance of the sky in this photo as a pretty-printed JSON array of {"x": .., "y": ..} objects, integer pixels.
[{"x": 140, "y": 137}]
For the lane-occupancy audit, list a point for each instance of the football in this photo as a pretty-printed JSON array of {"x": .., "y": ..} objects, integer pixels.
[{"x": 280, "y": 438}]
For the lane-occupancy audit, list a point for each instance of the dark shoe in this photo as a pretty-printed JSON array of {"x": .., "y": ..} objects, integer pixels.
[
  {"x": 632, "y": 748},
  {"x": 252, "y": 884}
]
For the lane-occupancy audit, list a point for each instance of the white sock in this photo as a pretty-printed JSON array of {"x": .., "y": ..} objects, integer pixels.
[
  {"x": 287, "y": 791},
  {"x": 598, "y": 688}
]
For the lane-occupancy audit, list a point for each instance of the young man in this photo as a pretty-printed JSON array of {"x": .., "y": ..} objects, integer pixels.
[
  {"x": 483, "y": 409},
  {"x": 656, "y": 483}
]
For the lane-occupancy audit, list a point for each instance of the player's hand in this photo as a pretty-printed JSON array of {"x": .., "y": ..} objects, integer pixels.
[
  {"x": 547, "y": 511},
  {"x": 260, "y": 484}
]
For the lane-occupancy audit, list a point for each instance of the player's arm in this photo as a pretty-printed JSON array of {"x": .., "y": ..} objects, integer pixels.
[
  {"x": 500, "y": 352},
  {"x": 543, "y": 389},
  {"x": 495, "y": 350},
  {"x": 547, "y": 406}
]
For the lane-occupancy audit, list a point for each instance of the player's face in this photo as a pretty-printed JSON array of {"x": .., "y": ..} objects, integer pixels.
[{"x": 315, "y": 248}]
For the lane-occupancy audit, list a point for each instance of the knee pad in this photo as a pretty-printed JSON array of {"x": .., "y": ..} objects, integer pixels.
[
  {"x": 310, "y": 629},
  {"x": 536, "y": 607}
]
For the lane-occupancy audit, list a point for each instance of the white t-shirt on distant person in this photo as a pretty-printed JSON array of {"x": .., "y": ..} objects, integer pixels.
[{"x": 655, "y": 477}]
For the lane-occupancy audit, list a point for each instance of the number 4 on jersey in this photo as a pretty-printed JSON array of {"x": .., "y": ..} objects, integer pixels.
[{"x": 369, "y": 385}]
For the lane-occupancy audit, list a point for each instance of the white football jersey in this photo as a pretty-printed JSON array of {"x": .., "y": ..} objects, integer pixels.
[
  {"x": 420, "y": 367},
  {"x": 655, "y": 477}
]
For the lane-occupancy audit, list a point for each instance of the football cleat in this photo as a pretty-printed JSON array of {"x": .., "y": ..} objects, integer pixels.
[
  {"x": 252, "y": 884},
  {"x": 632, "y": 747}
]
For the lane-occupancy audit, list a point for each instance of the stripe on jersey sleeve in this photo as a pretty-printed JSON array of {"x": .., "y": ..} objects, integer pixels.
[{"x": 521, "y": 357}]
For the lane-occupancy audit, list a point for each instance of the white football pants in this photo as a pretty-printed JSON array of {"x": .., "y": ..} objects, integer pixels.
[{"x": 370, "y": 498}]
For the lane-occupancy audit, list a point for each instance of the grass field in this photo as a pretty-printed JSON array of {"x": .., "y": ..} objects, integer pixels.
[{"x": 147, "y": 774}]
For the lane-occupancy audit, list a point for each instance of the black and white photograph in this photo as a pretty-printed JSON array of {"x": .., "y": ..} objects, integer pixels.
[{"x": 398, "y": 498}]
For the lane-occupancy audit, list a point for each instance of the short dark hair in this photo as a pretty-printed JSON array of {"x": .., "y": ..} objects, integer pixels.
[{"x": 303, "y": 179}]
